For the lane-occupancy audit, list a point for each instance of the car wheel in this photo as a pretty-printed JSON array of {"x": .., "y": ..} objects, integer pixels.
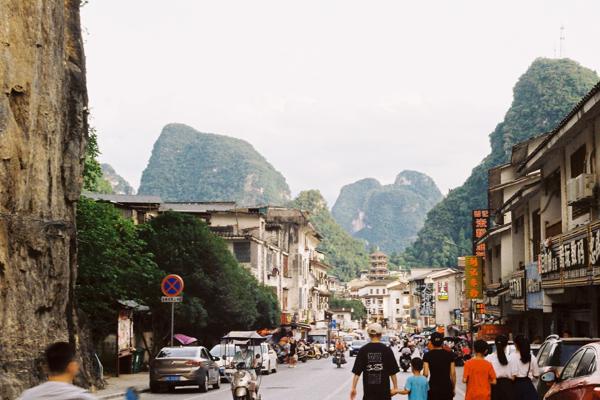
[
  {"x": 154, "y": 387},
  {"x": 203, "y": 384}
]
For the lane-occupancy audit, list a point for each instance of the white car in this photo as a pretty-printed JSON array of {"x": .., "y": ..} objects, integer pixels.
[{"x": 269, "y": 364}]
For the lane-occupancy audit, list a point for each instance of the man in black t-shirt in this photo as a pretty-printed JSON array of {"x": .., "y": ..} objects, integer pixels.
[
  {"x": 439, "y": 365},
  {"x": 376, "y": 362}
]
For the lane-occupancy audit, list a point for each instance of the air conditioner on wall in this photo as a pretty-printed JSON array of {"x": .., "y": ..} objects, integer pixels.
[{"x": 580, "y": 188}]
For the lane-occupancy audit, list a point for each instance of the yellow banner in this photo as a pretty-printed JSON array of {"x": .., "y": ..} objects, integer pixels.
[{"x": 473, "y": 277}]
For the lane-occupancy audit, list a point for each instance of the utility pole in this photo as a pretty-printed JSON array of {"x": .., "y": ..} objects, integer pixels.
[{"x": 561, "y": 46}]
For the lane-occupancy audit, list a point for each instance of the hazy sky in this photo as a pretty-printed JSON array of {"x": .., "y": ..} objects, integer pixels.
[{"x": 328, "y": 91}]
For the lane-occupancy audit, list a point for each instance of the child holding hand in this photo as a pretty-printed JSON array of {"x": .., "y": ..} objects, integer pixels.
[{"x": 416, "y": 386}]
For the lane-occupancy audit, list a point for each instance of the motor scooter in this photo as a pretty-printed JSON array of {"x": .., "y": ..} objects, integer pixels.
[
  {"x": 338, "y": 358},
  {"x": 405, "y": 362}
]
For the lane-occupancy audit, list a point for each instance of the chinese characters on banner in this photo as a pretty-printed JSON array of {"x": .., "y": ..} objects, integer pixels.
[
  {"x": 473, "y": 277},
  {"x": 442, "y": 288},
  {"x": 427, "y": 300},
  {"x": 481, "y": 224}
]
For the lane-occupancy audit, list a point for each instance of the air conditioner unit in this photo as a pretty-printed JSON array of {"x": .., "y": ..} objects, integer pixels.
[{"x": 580, "y": 188}]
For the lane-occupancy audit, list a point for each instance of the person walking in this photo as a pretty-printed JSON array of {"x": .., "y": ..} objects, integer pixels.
[
  {"x": 479, "y": 374},
  {"x": 524, "y": 369},
  {"x": 439, "y": 367},
  {"x": 292, "y": 356},
  {"x": 377, "y": 364},
  {"x": 416, "y": 386},
  {"x": 62, "y": 369},
  {"x": 504, "y": 387}
]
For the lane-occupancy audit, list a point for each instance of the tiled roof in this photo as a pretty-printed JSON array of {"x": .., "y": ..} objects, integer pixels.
[{"x": 123, "y": 198}]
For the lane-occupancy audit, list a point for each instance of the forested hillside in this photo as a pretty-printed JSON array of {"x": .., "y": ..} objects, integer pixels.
[
  {"x": 346, "y": 254},
  {"x": 187, "y": 165},
  {"x": 543, "y": 95},
  {"x": 387, "y": 216}
]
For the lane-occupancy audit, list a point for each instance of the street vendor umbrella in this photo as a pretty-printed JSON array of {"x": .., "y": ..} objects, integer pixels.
[{"x": 184, "y": 339}]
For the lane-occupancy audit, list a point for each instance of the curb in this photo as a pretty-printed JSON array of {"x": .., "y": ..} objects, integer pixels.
[{"x": 120, "y": 395}]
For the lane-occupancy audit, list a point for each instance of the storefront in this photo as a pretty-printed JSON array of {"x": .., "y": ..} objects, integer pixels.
[{"x": 570, "y": 271}]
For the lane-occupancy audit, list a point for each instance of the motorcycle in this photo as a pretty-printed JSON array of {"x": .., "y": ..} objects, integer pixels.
[
  {"x": 245, "y": 377},
  {"x": 338, "y": 358},
  {"x": 313, "y": 353},
  {"x": 405, "y": 362},
  {"x": 302, "y": 354}
]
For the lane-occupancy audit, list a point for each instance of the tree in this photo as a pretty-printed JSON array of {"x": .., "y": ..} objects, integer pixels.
[
  {"x": 93, "y": 180},
  {"x": 358, "y": 308},
  {"x": 113, "y": 265},
  {"x": 346, "y": 254},
  {"x": 219, "y": 294}
]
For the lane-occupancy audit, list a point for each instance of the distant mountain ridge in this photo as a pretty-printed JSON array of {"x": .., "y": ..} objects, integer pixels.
[
  {"x": 118, "y": 184},
  {"x": 387, "y": 216},
  {"x": 543, "y": 95},
  {"x": 188, "y": 165}
]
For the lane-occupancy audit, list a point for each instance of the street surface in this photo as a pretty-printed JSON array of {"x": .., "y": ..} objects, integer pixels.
[{"x": 313, "y": 380}]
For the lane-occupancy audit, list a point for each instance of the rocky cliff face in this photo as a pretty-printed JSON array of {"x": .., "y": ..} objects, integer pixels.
[
  {"x": 42, "y": 141},
  {"x": 388, "y": 216}
]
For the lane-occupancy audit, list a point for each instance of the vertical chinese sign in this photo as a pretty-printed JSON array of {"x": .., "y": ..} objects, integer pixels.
[
  {"x": 481, "y": 224},
  {"x": 473, "y": 277}
]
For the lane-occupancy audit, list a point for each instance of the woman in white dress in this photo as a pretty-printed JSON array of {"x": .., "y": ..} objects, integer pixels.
[
  {"x": 524, "y": 369},
  {"x": 504, "y": 387}
]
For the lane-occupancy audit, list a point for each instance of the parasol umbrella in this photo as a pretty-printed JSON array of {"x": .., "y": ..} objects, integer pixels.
[{"x": 184, "y": 339}]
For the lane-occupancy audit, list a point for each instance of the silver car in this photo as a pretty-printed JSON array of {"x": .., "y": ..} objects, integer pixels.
[{"x": 184, "y": 366}]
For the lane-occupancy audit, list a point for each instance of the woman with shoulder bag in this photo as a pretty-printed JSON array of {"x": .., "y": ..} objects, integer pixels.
[{"x": 524, "y": 369}]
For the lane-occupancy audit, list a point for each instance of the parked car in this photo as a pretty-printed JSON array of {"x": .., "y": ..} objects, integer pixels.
[
  {"x": 225, "y": 352},
  {"x": 492, "y": 347},
  {"x": 269, "y": 363},
  {"x": 184, "y": 366},
  {"x": 554, "y": 354},
  {"x": 348, "y": 339},
  {"x": 580, "y": 377},
  {"x": 356, "y": 346}
]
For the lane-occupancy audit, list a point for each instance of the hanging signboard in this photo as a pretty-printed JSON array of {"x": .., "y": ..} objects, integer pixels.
[
  {"x": 516, "y": 290},
  {"x": 473, "y": 277},
  {"x": 442, "y": 290},
  {"x": 481, "y": 224},
  {"x": 534, "y": 287},
  {"x": 427, "y": 307}
]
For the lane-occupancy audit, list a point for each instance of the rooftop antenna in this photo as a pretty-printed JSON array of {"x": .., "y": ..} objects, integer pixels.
[{"x": 562, "y": 41}]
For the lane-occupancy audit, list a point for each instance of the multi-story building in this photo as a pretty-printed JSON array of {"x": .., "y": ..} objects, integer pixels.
[
  {"x": 548, "y": 279},
  {"x": 436, "y": 299}
]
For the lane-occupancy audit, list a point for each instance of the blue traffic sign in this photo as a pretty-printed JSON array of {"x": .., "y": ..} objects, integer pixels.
[{"x": 172, "y": 285}]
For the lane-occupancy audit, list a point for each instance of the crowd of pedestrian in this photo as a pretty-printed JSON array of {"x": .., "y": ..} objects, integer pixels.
[{"x": 495, "y": 376}]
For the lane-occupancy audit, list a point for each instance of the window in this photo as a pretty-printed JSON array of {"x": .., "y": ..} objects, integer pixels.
[
  {"x": 397, "y": 301},
  {"x": 571, "y": 367},
  {"x": 286, "y": 268},
  {"x": 587, "y": 365},
  {"x": 377, "y": 291},
  {"x": 578, "y": 162},
  {"x": 204, "y": 354},
  {"x": 242, "y": 251}
]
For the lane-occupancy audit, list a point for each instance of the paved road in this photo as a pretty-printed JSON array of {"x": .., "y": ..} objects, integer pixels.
[{"x": 314, "y": 380}]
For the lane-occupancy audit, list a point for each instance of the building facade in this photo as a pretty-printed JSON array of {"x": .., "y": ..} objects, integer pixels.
[{"x": 546, "y": 279}]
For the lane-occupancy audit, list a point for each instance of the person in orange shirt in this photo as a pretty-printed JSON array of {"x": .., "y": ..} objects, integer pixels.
[{"x": 479, "y": 374}]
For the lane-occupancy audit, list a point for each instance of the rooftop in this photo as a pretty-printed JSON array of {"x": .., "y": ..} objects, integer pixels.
[{"x": 123, "y": 198}]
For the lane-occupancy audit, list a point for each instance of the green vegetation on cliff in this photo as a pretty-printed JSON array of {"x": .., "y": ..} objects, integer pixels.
[
  {"x": 541, "y": 98},
  {"x": 389, "y": 216},
  {"x": 187, "y": 165},
  {"x": 346, "y": 254}
]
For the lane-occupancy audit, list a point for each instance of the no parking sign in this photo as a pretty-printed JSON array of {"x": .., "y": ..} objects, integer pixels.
[{"x": 172, "y": 285}]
